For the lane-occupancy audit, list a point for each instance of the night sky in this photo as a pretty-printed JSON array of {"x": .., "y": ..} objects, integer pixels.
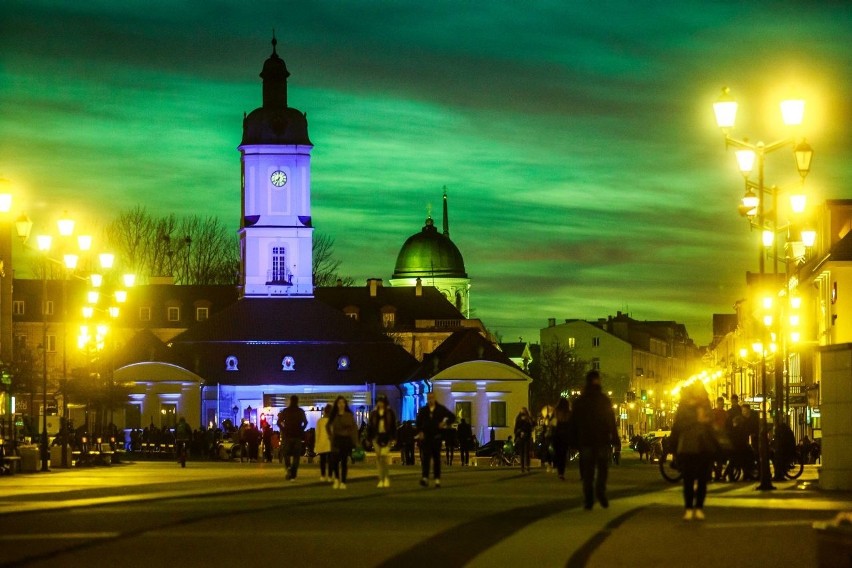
[{"x": 576, "y": 140}]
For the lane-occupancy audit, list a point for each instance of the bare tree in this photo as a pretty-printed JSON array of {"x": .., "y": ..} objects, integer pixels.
[
  {"x": 326, "y": 267},
  {"x": 560, "y": 372}
]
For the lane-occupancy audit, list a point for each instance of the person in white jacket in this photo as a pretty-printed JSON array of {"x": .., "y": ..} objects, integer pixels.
[{"x": 322, "y": 445}]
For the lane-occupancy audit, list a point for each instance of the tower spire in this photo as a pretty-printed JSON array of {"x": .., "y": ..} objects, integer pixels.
[{"x": 446, "y": 215}]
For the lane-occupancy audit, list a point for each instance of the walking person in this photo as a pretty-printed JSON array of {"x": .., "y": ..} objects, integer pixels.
[
  {"x": 561, "y": 435},
  {"x": 381, "y": 431},
  {"x": 695, "y": 446},
  {"x": 292, "y": 422},
  {"x": 343, "y": 431},
  {"x": 322, "y": 446},
  {"x": 523, "y": 437},
  {"x": 593, "y": 431},
  {"x": 465, "y": 436},
  {"x": 432, "y": 419}
]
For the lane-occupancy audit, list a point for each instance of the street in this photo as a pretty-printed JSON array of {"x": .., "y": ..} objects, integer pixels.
[{"x": 225, "y": 514}]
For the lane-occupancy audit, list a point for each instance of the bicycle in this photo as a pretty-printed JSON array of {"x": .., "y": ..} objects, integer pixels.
[
  {"x": 500, "y": 458},
  {"x": 669, "y": 468},
  {"x": 795, "y": 466}
]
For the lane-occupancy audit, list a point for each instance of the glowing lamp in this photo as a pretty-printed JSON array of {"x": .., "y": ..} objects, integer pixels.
[
  {"x": 66, "y": 225},
  {"x": 129, "y": 280},
  {"x": 92, "y": 296},
  {"x": 767, "y": 302},
  {"x": 804, "y": 154},
  {"x": 745, "y": 161},
  {"x": 113, "y": 311},
  {"x": 88, "y": 312},
  {"x": 725, "y": 109},
  {"x": 768, "y": 238},
  {"x": 808, "y": 237},
  {"x": 797, "y": 202},
  {"x": 121, "y": 296},
  {"x": 106, "y": 259},
  {"x": 84, "y": 242},
  {"x": 23, "y": 226},
  {"x": 793, "y": 111},
  {"x": 767, "y": 320},
  {"x": 70, "y": 261},
  {"x": 5, "y": 202},
  {"x": 43, "y": 242},
  {"x": 97, "y": 280}
]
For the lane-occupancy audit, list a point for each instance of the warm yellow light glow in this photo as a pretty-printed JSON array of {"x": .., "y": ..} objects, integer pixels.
[
  {"x": 773, "y": 347},
  {"x": 795, "y": 336},
  {"x": 750, "y": 200},
  {"x": 106, "y": 259},
  {"x": 650, "y": 393},
  {"x": 795, "y": 302},
  {"x": 757, "y": 346},
  {"x": 92, "y": 296},
  {"x": 793, "y": 111},
  {"x": 743, "y": 352},
  {"x": 808, "y": 237},
  {"x": 768, "y": 238},
  {"x": 767, "y": 302},
  {"x": 121, "y": 296},
  {"x": 43, "y": 242},
  {"x": 725, "y": 109},
  {"x": 88, "y": 311},
  {"x": 66, "y": 225},
  {"x": 84, "y": 242},
  {"x": 113, "y": 311},
  {"x": 798, "y": 202},
  {"x": 5, "y": 202},
  {"x": 70, "y": 261},
  {"x": 102, "y": 329},
  {"x": 745, "y": 161},
  {"x": 129, "y": 280},
  {"x": 794, "y": 319}
]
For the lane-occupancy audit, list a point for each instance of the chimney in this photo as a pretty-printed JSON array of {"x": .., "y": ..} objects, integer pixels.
[
  {"x": 551, "y": 322},
  {"x": 374, "y": 284},
  {"x": 418, "y": 288},
  {"x": 340, "y": 283}
]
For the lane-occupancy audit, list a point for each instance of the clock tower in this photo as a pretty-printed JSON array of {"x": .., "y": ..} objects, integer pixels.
[{"x": 276, "y": 237}]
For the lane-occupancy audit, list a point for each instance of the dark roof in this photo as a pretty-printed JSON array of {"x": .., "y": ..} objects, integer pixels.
[
  {"x": 514, "y": 349},
  {"x": 842, "y": 249},
  {"x": 408, "y": 307},
  {"x": 460, "y": 347},
  {"x": 261, "y": 332},
  {"x": 143, "y": 346}
]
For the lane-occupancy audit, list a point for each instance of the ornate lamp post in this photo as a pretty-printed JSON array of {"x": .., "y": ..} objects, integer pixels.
[{"x": 754, "y": 205}]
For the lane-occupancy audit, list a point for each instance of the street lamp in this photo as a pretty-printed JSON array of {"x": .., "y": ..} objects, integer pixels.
[{"x": 754, "y": 205}]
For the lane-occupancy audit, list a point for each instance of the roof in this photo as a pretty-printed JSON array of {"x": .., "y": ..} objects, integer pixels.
[
  {"x": 842, "y": 249},
  {"x": 261, "y": 332},
  {"x": 429, "y": 254},
  {"x": 407, "y": 306},
  {"x": 461, "y": 347}
]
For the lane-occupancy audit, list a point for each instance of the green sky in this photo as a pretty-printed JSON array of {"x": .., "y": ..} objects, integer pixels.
[{"x": 577, "y": 142}]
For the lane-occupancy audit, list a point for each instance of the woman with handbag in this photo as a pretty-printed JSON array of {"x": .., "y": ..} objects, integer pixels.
[{"x": 695, "y": 446}]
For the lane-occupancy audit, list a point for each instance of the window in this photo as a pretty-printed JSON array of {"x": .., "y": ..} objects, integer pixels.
[
  {"x": 20, "y": 343},
  {"x": 596, "y": 364},
  {"x": 463, "y": 410},
  {"x": 497, "y": 419},
  {"x": 352, "y": 315},
  {"x": 596, "y": 342},
  {"x": 51, "y": 344},
  {"x": 201, "y": 314},
  {"x": 48, "y": 308},
  {"x": 173, "y": 314},
  {"x": 18, "y": 307},
  {"x": 168, "y": 413},
  {"x": 279, "y": 265},
  {"x": 388, "y": 319},
  {"x": 640, "y": 372},
  {"x": 572, "y": 342},
  {"x": 145, "y": 313}
]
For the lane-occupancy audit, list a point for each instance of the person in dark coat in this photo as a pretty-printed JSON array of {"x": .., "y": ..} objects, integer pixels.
[
  {"x": 292, "y": 422},
  {"x": 695, "y": 446},
  {"x": 465, "y": 436},
  {"x": 561, "y": 435},
  {"x": 523, "y": 437},
  {"x": 593, "y": 431},
  {"x": 432, "y": 419}
]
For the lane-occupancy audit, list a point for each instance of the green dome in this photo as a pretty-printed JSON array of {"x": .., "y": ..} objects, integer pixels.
[{"x": 429, "y": 254}]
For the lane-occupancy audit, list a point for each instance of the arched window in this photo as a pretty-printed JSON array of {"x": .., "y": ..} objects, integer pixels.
[{"x": 458, "y": 301}]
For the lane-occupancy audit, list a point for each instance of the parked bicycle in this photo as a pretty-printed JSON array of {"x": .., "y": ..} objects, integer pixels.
[{"x": 501, "y": 458}]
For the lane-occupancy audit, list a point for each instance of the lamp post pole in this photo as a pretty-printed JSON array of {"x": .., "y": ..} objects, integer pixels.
[{"x": 792, "y": 112}]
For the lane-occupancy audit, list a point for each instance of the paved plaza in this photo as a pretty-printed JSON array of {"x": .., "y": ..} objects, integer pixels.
[{"x": 227, "y": 513}]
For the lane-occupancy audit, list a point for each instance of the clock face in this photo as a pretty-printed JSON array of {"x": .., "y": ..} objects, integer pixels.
[{"x": 278, "y": 178}]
